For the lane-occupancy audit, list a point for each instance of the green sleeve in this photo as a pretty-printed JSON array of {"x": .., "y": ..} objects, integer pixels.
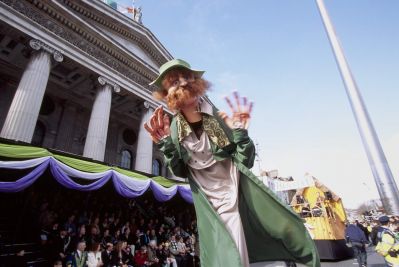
[
  {"x": 245, "y": 147},
  {"x": 172, "y": 158}
]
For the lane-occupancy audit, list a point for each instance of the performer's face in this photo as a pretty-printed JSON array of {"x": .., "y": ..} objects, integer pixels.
[{"x": 182, "y": 89}]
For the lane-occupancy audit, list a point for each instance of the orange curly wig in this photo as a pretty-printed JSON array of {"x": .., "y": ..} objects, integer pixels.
[{"x": 196, "y": 86}]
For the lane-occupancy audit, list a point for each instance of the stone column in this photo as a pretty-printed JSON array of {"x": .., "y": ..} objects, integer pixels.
[
  {"x": 144, "y": 143},
  {"x": 24, "y": 110},
  {"x": 96, "y": 137}
]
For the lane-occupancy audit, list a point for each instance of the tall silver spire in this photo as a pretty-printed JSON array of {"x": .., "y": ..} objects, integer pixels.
[{"x": 383, "y": 178}]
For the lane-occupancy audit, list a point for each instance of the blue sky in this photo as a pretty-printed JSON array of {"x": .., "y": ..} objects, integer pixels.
[{"x": 276, "y": 52}]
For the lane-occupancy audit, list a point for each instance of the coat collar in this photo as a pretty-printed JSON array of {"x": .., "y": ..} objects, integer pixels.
[{"x": 210, "y": 124}]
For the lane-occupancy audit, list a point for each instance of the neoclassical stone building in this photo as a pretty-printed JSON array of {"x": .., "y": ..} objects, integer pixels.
[{"x": 74, "y": 77}]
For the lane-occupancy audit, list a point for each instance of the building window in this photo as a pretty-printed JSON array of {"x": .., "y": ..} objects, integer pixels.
[
  {"x": 126, "y": 161},
  {"x": 129, "y": 136},
  {"x": 39, "y": 133},
  {"x": 156, "y": 167}
]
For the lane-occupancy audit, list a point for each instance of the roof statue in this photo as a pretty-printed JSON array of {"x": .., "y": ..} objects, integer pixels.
[{"x": 137, "y": 15}]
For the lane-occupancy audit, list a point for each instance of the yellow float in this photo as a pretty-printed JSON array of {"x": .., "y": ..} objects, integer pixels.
[{"x": 324, "y": 216}]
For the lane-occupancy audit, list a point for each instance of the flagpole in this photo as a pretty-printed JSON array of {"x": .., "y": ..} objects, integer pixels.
[{"x": 383, "y": 177}]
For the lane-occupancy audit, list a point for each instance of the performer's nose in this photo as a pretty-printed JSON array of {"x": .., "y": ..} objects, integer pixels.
[{"x": 183, "y": 81}]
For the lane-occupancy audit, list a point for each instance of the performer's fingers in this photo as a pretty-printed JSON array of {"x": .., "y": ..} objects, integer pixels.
[
  {"x": 166, "y": 124},
  {"x": 226, "y": 118},
  {"x": 148, "y": 128},
  {"x": 156, "y": 115},
  {"x": 245, "y": 104},
  {"x": 237, "y": 98},
  {"x": 152, "y": 133},
  {"x": 223, "y": 115},
  {"x": 160, "y": 132},
  {"x": 230, "y": 104},
  {"x": 251, "y": 105},
  {"x": 160, "y": 117},
  {"x": 153, "y": 122}
]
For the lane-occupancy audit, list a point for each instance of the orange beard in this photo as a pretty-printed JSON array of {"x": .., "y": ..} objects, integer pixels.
[{"x": 185, "y": 95}]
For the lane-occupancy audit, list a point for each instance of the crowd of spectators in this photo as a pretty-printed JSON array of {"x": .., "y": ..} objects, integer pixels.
[
  {"x": 139, "y": 234},
  {"x": 94, "y": 229}
]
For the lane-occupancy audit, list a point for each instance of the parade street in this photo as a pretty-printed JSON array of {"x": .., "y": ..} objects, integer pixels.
[{"x": 373, "y": 260}]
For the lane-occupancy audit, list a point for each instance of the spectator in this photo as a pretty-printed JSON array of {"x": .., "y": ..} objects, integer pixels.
[
  {"x": 61, "y": 244},
  {"x": 94, "y": 236},
  {"x": 94, "y": 256},
  {"x": 174, "y": 250},
  {"x": 106, "y": 255},
  {"x": 141, "y": 257},
  {"x": 187, "y": 259},
  {"x": 358, "y": 239},
  {"x": 166, "y": 257},
  {"x": 118, "y": 256},
  {"x": 126, "y": 251},
  {"x": 161, "y": 236},
  {"x": 153, "y": 260},
  {"x": 144, "y": 238},
  {"x": 78, "y": 258},
  {"x": 107, "y": 238},
  {"x": 70, "y": 225},
  {"x": 125, "y": 226},
  {"x": 363, "y": 228},
  {"x": 189, "y": 242},
  {"x": 128, "y": 237},
  {"x": 153, "y": 235},
  {"x": 81, "y": 235},
  {"x": 116, "y": 236},
  {"x": 114, "y": 226},
  {"x": 375, "y": 228}
]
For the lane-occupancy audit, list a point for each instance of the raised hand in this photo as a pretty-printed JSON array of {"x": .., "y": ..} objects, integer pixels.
[
  {"x": 158, "y": 126},
  {"x": 241, "y": 112}
]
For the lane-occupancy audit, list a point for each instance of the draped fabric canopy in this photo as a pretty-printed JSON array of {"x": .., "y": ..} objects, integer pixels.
[{"x": 67, "y": 171}]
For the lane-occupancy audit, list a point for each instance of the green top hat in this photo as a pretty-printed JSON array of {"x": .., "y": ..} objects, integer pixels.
[{"x": 174, "y": 63}]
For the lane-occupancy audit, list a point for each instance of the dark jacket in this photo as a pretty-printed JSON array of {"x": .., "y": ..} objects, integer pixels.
[
  {"x": 106, "y": 258},
  {"x": 354, "y": 234}
]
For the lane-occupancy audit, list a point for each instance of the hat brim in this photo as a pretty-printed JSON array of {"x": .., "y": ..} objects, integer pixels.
[{"x": 158, "y": 80}]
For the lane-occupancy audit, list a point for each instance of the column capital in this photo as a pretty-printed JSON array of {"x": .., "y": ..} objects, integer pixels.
[
  {"x": 37, "y": 45},
  {"x": 103, "y": 81},
  {"x": 149, "y": 105}
]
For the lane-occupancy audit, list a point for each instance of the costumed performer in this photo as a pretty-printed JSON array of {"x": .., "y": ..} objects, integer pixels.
[{"x": 240, "y": 221}]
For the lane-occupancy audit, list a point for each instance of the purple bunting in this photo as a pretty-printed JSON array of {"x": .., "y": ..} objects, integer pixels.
[
  {"x": 124, "y": 190},
  {"x": 162, "y": 196},
  {"x": 186, "y": 194},
  {"x": 24, "y": 182},
  {"x": 66, "y": 181},
  {"x": 125, "y": 187}
]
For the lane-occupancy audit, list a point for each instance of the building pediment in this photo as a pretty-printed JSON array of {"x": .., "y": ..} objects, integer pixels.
[{"x": 122, "y": 30}]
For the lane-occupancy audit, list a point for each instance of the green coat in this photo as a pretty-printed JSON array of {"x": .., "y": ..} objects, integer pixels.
[{"x": 272, "y": 230}]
